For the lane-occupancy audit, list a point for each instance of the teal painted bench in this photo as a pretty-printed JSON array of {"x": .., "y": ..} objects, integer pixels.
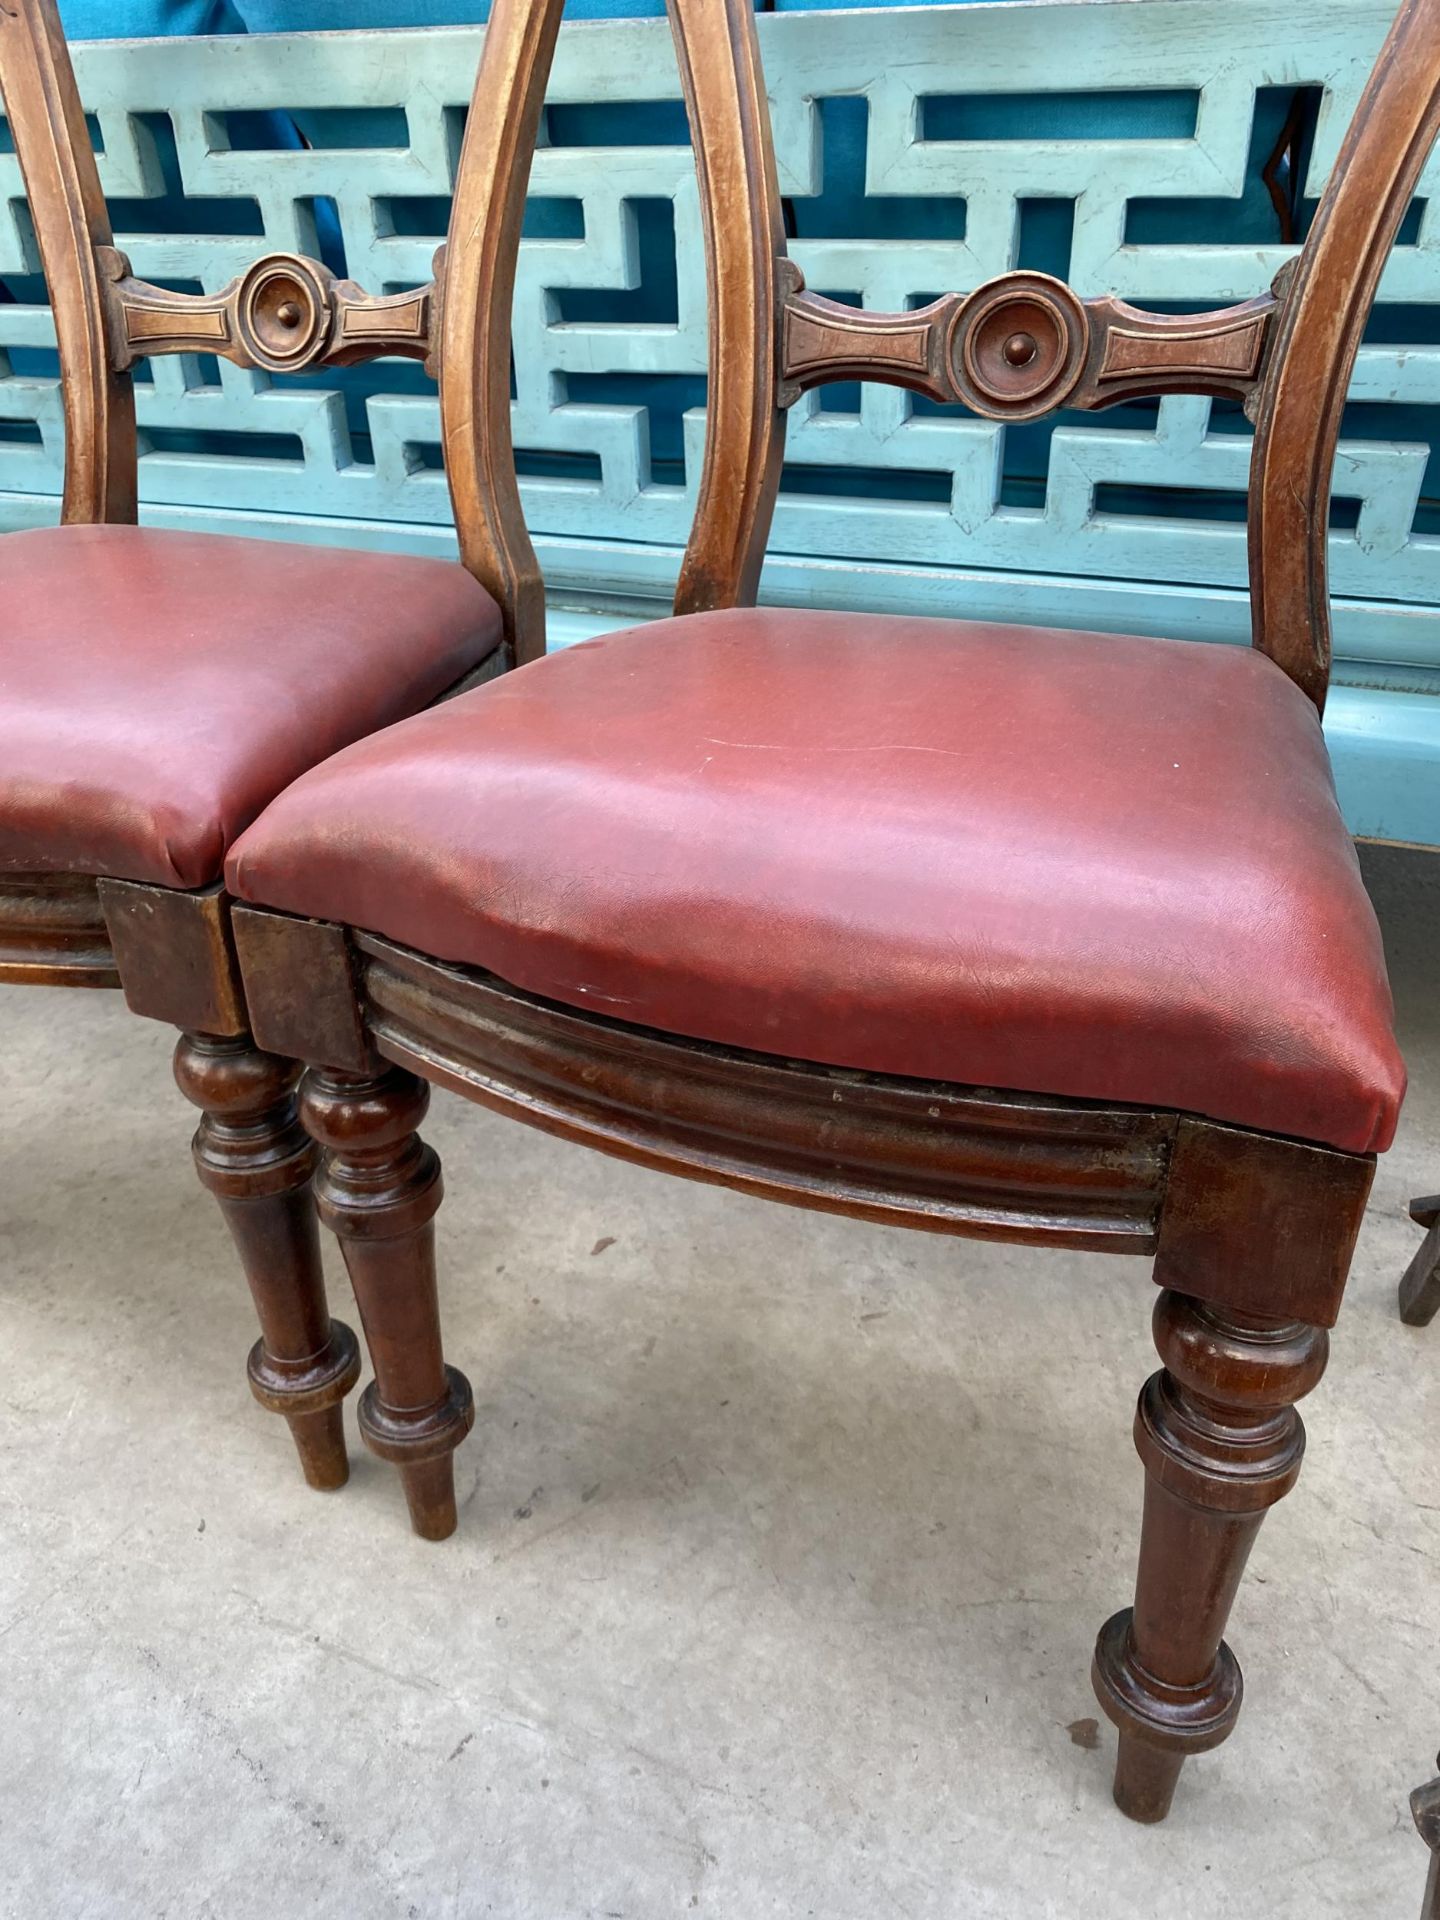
[{"x": 903, "y": 180}]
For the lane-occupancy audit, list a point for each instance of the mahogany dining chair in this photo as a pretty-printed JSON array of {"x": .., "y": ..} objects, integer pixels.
[
  {"x": 1054, "y": 937},
  {"x": 158, "y": 688}
]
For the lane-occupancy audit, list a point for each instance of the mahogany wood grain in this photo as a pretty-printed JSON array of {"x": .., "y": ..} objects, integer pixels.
[
  {"x": 1260, "y": 1224},
  {"x": 311, "y": 1011},
  {"x": 744, "y": 229},
  {"x": 53, "y": 933},
  {"x": 285, "y": 313},
  {"x": 1021, "y": 346},
  {"x": 175, "y": 955},
  {"x": 948, "y": 1159},
  {"x": 1248, "y": 1221},
  {"x": 1221, "y": 1443},
  {"x": 1251, "y": 1234}
]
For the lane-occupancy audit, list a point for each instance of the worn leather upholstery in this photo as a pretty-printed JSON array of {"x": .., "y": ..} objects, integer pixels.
[
  {"x": 157, "y": 689},
  {"x": 1067, "y": 863}
]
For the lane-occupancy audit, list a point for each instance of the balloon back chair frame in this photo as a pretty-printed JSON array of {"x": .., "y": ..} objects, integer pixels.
[{"x": 1250, "y": 1235}]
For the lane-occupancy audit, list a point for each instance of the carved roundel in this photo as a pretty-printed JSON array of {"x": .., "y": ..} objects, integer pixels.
[
  {"x": 283, "y": 312},
  {"x": 1017, "y": 346}
]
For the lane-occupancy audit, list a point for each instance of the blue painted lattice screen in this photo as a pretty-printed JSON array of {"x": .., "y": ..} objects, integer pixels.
[{"x": 1122, "y": 143}]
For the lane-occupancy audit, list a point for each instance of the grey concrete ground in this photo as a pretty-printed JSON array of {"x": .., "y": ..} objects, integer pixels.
[{"x": 783, "y": 1546}]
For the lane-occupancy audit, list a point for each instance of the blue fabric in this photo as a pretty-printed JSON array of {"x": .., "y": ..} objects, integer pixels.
[{"x": 141, "y": 19}]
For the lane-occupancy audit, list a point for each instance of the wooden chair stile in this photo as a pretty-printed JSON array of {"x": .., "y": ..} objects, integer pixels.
[
  {"x": 583, "y": 897},
  {"x": 110, "y": 856}
]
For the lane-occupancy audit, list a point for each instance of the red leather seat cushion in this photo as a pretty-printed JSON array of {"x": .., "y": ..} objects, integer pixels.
[
  {"x": 1063, "y": 863},
  {"x": 157, "y": 689}
]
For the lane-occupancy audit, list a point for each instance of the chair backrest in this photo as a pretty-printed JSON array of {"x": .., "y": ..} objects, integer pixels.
[
  {"x": 1019, "y": 346},
  {"x": 1016, "y": 348},
  {"x": 1022, "y": 345},
  {"x": 285, "y": 313}
]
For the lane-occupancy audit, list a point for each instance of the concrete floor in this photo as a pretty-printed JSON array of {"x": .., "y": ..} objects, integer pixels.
[{"x": 783, "y": 1546}]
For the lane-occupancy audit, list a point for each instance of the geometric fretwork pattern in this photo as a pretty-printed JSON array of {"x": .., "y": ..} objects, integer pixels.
[{"x": 902, "y": 180}]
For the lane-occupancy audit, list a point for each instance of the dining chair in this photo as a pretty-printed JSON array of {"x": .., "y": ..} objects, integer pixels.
[
  {"x": 158, "y": 688},
  {"x": 1053, "y": 937}
]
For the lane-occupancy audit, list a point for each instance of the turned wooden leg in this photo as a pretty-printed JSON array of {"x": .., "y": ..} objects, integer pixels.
[
  {"x": 1420, "y": 1289},
  {"x": 254, "y": 1156},
  {"x": 378, "y": 1188},
  {"x": 1221, "y": 1442}
]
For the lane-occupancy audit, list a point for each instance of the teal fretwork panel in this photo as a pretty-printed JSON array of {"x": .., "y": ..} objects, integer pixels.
[{"x": 1119, "y": 142}]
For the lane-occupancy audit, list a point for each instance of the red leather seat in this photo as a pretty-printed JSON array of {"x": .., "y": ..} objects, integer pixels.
[
  {"x": 1065, "y": 863},
  {"x": 157, "y": 689}
]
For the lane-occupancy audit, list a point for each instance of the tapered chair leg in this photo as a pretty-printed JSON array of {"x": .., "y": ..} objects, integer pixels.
[
  {"x": 253, "y": 1155},
  {"x": 1221, "y": 1442},
  {"x": 378, "y": 1188},
  {"x": 1420, "y": 1289}
]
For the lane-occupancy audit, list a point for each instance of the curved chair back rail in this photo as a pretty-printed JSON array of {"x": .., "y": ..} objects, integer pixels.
[
  {"x": 1024, "y": 344},
  {"x": 287, "y": 314}
]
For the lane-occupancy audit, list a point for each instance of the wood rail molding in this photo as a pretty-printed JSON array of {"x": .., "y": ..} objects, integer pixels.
[
  {"x": 52, "y": 930},
  {"x": 944, "y": 1159},
  {"x": 285, "y": 314},
  {"x": 1022, "y": 345}
]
